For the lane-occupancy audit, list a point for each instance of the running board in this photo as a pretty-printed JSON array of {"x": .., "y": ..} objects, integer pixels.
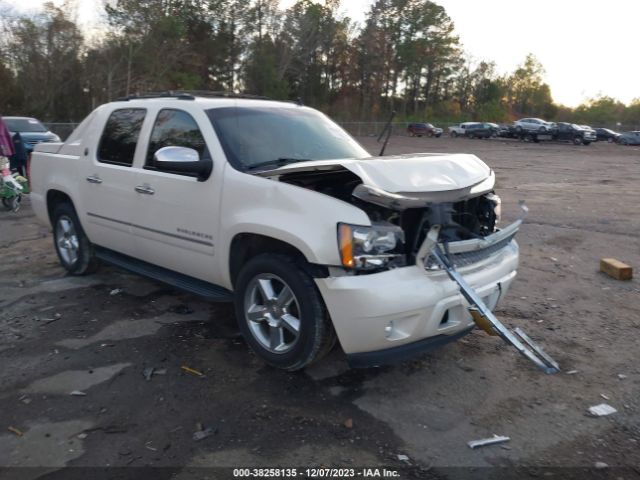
[
  {"x": 206, "y": 290},
  {"x": 486, "y": 320}
]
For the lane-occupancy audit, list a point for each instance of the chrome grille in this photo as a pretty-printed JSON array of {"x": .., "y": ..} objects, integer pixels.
[{"x": 463, "y": 259}]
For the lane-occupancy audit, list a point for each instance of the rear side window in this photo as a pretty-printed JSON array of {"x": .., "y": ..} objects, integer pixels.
[
  {"x": 174, "y": 128},
  {"x": 120, "y": 136}
]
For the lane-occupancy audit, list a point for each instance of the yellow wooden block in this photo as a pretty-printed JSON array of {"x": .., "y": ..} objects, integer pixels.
[{"x": 616, "y": 269}]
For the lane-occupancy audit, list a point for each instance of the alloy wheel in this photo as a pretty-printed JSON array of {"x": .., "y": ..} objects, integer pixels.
[
  {"x": 272, "y": 313},
  {"x": 67, "y": 240}
]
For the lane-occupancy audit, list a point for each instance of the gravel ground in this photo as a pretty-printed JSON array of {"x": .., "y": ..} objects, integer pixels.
[{"x": 99, "y": 334}]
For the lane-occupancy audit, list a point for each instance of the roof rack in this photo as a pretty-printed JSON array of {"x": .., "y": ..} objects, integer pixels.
[{"x": 190, "y": 95}]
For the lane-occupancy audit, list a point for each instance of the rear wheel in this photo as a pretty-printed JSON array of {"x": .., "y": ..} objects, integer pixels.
[
  {"x": 610, "y": 140},
  {"x": 72, "y": 245},
  {"x": 280, "y": 312},
  {"x": 454, "y": 134},
  {"x": 577, "y": 141}
]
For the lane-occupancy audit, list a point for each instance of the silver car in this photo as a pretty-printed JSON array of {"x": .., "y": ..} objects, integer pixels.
[{"x": 532, "y": 125}]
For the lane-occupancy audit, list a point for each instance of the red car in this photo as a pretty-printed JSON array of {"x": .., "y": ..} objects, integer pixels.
[{"x": 423, "y": 129}]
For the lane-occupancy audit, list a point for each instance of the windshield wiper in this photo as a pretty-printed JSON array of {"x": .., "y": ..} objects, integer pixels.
[{"x": 280, "y": 162}]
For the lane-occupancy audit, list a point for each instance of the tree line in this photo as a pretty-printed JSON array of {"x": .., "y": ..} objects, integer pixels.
[{"x": 405, "y": 57}]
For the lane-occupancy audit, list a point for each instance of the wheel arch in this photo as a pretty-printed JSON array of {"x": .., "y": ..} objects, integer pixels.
[
  {"x": 56, "y": 197},
  {"x": 245, "y": 246}
]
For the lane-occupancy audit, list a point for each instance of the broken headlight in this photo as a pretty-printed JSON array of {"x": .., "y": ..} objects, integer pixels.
[{"x": 370, "y": 248}]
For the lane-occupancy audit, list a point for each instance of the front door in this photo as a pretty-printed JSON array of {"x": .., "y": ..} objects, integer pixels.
[
  {"x": 108, "y": 181},
  {"x": 176, "y": 215}
]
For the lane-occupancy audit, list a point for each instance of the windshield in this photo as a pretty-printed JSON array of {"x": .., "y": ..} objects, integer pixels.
[
  {"x": 257, "y": 136},
  {"x": 24, "y": 125}
]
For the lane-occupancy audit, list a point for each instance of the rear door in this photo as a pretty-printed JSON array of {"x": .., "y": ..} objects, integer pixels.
[
  {"x": 176, "y": 215},
  {"x": 108, "y": 181}
]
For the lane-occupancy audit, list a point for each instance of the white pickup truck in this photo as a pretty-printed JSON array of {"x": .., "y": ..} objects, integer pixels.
[
  {"x": 273, "y": 206},
  {"x": 459, "y": 130}
]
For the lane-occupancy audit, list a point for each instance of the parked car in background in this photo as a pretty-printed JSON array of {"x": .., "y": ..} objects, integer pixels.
[
  {"x": 532, "y": 125},
  {"x": 629, "y": 138},
  {"x": 459, "y": 130},
  {"x": 31, "y": 131},
  {"x": 574, "y": 133},
  {"x": 606, "y": 135},
  {"x": 495, "y": 128},
  {"x": 423, "y": 129},
  {"x": 506, "y": 131},
  {"x": 479, "y": 130}
]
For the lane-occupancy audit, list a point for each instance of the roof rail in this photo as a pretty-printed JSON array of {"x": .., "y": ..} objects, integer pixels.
[
  {"x": 190, "y": 95},
  {"x": 150, "y": 95}
]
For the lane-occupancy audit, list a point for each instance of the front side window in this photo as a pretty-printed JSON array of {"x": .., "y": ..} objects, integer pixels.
[
  {"x": 120, "y": 136},
  {"x": 257, "y": 136},
  {"x": 174, "y": 128}
]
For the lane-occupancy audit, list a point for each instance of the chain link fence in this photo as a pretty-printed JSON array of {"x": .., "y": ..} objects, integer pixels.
[{"x": 357, "y": 129}]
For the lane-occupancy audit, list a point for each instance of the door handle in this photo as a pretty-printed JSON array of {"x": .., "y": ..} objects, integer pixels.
[
  {"x": 146, "y": 189},
  {"x": 94, "y": 179}
]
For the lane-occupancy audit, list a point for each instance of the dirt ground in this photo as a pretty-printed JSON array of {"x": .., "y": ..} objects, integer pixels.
[{"x": 98, "y": 334}]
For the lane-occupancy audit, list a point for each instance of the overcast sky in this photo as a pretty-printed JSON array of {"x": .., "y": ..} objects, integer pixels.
[{"x": 588, "y": 47}]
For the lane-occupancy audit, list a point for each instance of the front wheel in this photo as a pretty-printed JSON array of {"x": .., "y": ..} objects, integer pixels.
[
  {"x": 610, "y": 140},
  {"x": 454, "y": 134},
  {"x": 280, "y": 312},
  {"x": 577, "y": 141},
  {"x": 72, "y": 245}
]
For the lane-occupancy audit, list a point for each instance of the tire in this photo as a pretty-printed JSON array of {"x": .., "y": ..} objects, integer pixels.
[
  {"x": 577, "y": 141},
  {"x": 71, "y": 243},
  {"x": 12, "y": 204},
  {"x": 282, "y": 343},
  {"x": 542, "y": 130},
  {"x": 586, "y": 144},
  {"x": 454, "y": 134},
  {"x": 610, "y": 140}
]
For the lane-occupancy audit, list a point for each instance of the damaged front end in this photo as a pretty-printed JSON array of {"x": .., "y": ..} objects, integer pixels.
[
  {"x": 438, "y": 212},
  {"x": 401, "y": 220}
]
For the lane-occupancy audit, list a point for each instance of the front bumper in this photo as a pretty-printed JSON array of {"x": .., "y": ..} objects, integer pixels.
[{"x": 386, "y": 316}]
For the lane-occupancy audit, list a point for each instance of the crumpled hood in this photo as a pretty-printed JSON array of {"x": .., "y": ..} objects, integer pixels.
[{"x": 404, "y": 174}]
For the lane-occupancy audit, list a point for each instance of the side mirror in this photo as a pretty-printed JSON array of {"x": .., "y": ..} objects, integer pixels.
[{"x": 183, "y": 160}]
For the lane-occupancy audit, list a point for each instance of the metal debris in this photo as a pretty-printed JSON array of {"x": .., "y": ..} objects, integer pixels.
[
  {"x": 572, "y": 372},
  {"x": 602, "y": 410},
  {"x": 192, "y": 371},
  {"x": 622, "y": 376},
  {"x": 202, "y": 434},
  {"x": 600, "y": 465},
  {"x": 488, "y": 441},
  {"x": 78, "y": 393},
  {"x": 15, "y": 431},
  {"x": 115, "y": 291},
  {"x": 403, "y": 458}
]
